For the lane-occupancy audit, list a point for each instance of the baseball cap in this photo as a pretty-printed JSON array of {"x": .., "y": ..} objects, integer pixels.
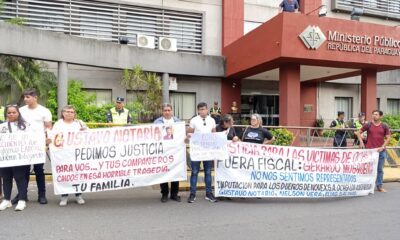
[{"x": 120, "y": 99}]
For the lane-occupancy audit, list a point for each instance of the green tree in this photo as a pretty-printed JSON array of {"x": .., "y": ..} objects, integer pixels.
[{"x": 136, "y": 79}]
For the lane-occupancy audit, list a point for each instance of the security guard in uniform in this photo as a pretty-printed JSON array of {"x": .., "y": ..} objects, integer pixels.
[
  {"x": 339, "y": 140},
  {"x": 2, "y": 114},
  {"x": 119, "y": 114},
  {"x": 359, "y": 123}
]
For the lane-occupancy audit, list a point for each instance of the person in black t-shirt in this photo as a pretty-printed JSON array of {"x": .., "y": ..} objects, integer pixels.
[
  {"x": 226, "y": 125},
  {"x": 255, "y": 133}
]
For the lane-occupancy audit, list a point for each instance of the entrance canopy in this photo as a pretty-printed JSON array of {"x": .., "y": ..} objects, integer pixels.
[
  {"x": 314, "y": 41},
  {"x": 299, "y": 50}
]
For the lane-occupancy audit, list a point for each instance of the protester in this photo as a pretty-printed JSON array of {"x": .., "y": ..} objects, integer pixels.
[
  {"x": 39, "y": 119},
  {"x": 255, "y": 133},
  {"x": 226, "y": 126},
  {"x": 69, "y": 123},
  {"x": 289, "y": 6},
  {"x": 14, "y": 123},
  {"x": 339, "y": 140},
  {"x": 378, "y": 136},
  {"x": 119, "y": 114},
  {"x": 358, "y": 125},
  {"x": 215, "y": 113},
  {"x": 202, "y": 123},
  {"x": 168, "y": 118}
]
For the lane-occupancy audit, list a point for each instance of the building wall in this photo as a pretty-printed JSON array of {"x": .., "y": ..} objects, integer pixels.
[{"x": 212, "y": 18}]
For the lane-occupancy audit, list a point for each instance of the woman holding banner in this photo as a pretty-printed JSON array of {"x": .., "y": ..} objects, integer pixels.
[
  {"x": 226, "y": 125},
  {"x": 255, "y": 133},
  {"x": 14, "y": 123},
  {"x": 69, "y": 123}
]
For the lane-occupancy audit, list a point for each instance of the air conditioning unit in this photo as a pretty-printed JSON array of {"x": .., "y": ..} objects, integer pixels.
[
  {"x": 167, "y": 44},
  {"x": 145, "y": 41}
]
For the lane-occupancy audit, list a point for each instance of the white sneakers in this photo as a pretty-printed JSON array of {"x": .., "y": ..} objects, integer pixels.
[
  {"x": 64, "y": 201},
  {"x": 7, "y": 204},
  {"x": 20, "y": 206},
  {"x": 80, "y": 200}
]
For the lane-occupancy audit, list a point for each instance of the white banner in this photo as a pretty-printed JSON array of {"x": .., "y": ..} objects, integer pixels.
[
  {"x": 255, "y": 170},
  {"x": 117, "y": 158},
  {"x": 22, "y": 148},
  {"x": 208, "y": 146}
]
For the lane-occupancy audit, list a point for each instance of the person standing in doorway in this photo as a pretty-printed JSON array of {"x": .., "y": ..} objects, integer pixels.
[
  {"x": 339, "y": 140},
  {"x": 39, "y": 119},
  {"x": 378, "y": 137},
  {"x": 168, "y": 118},
  {"x": 202, "y": 123}
]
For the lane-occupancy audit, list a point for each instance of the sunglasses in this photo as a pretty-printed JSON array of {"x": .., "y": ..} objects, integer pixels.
[
  {"x": 204, "y": 122},
  {"x": 12, "y": 105}
]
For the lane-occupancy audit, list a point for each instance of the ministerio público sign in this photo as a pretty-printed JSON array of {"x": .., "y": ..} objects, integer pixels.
[{"x": 313, "y": 38}]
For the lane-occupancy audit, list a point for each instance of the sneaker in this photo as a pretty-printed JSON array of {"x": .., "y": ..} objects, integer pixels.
[
  {"x": 164, "y": 198},
  {"x": 210, "y": 197},
  {"x": 381, "y": 189},
  {"x": 80, "y": 200},
  {"x": 64, "y": 201},
  {"x": 20, "y": 206},
  {"x": 5, "y": 204},
  {"x": 192, "y": 198}
]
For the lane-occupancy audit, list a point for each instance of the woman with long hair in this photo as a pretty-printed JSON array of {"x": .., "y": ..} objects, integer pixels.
[{"x": 14, "y": 123}]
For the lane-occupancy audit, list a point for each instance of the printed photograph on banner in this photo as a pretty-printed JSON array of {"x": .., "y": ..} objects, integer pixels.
[
  {"x": 254, "y": 170},
  {"x": 22, "y": 148},
  {"x": 117, "y": 158},
  {"x": 208, "y": 146}
]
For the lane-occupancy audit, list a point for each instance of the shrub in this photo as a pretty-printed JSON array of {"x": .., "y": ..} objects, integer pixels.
[{"x": 283, "y": 137}]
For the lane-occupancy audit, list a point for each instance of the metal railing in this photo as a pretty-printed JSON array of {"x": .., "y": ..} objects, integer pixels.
[
  {"x": 378, "y": 8},
  {"x": 109, "y": 21}
]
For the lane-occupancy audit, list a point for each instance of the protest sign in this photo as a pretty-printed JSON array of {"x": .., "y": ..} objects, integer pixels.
[
  {"x": 255, "y": 170},
  {"x": 208, "y": 146},
  {"x": 22, "y": 148},
  {"x": 117, "y": 158}
]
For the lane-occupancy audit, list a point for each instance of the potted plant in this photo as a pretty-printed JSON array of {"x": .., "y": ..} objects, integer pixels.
[{"x": 319, "y": 123}]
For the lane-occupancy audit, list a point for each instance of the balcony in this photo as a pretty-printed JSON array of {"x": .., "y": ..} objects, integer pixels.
[{"x": 388, "y": 9}]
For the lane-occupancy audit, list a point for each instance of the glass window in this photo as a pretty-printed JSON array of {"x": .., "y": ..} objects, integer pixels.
[
  {"x": 103, "y": 96},
  {"x": 184, "y": 104},
  {"x": 344, "y": 104},
  {"x": 132, "y": 95},
  {"x": 393, "y": 106}
]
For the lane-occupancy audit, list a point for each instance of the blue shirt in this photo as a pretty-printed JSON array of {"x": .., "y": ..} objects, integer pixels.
[{"x": 289, "y": 6}]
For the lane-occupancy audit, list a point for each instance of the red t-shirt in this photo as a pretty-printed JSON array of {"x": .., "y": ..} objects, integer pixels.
[{"x": 376, "y": 135}]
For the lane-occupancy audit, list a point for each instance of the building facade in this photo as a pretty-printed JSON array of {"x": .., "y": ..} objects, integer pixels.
[{"x": 199, "y": 28}]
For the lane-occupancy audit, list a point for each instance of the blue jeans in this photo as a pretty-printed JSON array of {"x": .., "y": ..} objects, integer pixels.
[
  {"x": 381, "y": 162},
  {"x": 195, "y": 172}
]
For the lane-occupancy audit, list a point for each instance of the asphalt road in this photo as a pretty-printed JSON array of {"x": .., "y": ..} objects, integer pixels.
[{"x": 139, "y": 214}]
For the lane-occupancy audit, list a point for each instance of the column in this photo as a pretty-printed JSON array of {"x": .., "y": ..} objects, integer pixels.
[
  {"x": 289, "y": 95},
  {"x": 62, "y": 86},
  {"x": 165, "y": 87},
  {"x": 368, "y": 91}
]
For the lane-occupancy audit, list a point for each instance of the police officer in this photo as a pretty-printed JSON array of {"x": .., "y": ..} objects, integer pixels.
[
  {"x": 2, "y": 114},
  {"x": 215, "y": 113},
  {"x": 358, "y": 124},
  {"x": 119, "y": 114},
  {"x": 339, "y": 140}
]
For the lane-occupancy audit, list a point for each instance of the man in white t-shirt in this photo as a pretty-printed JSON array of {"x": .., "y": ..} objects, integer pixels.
[
  {"x": 201, "y": 123},
  {"x": 39, "y": 119}
]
